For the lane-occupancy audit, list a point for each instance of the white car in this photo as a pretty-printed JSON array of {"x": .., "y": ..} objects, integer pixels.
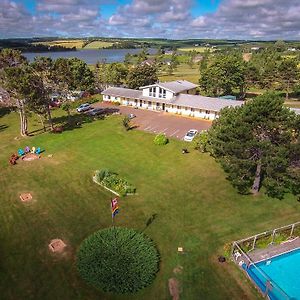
[
  {"x": 131, "y": 116},
  {"x": 84, "y": 107},
  {"x": 190, "y": 135}
]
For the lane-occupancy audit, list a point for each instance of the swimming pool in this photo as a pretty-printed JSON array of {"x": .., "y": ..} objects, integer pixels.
[{"x": 282, "y": 271}]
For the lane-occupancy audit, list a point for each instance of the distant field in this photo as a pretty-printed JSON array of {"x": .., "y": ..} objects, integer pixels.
[
  {"x": 65, "y": 43},
  {"x": 97, "y": 45},
  {"x": 198, "y": 49}
]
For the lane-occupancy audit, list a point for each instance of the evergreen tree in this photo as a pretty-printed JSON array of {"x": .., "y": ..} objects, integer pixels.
[
  {"x": 288, "y": 75},
  {"x": 173, "y": 63},
  {"x": 258, "y": 145}
]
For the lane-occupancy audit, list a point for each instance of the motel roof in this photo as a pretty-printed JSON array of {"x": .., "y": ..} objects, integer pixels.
[
  {"x": 205, "y": 103},
  {"x": 122, "y": 92},
  {"x": 174, "y": 86}
]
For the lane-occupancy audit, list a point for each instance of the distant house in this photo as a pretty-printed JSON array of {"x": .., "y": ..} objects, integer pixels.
[
  {"x": 255, "y": 48},
  {"x": 292, "y": 49},
  {"x": 177, "y": 97}
]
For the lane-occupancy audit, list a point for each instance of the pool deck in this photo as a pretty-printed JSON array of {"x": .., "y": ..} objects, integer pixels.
[{"x": 274, "y": 250}]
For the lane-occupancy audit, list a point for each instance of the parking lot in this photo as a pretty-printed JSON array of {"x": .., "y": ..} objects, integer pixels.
[{"x": 159, "y": 122}]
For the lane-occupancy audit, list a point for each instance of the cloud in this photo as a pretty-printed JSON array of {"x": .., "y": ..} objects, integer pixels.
[{"x": 233, "y": 19}]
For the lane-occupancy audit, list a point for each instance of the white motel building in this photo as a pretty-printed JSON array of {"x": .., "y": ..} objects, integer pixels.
[{"x": 177, "y": 97}]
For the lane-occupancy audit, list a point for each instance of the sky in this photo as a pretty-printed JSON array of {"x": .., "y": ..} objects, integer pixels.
[{"x": 174, "y": 19}]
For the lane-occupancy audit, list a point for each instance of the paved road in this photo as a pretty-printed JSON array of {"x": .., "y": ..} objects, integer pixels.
[{"x": 160, "y": 122}]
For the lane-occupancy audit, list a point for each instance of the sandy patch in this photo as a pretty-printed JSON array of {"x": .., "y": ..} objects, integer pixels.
[
  {"x": 57, "y": 246},
  {"x": 26, "y": 197}
]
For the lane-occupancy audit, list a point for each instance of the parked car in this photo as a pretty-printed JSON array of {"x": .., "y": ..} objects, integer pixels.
[
  {"x": 131, "y": 116},
  {"x": 55, "y": 103},
  {"x": 190, "y": 135},
  {"x": 96, "y": 111},
  {"x": 84, "y": 107}
]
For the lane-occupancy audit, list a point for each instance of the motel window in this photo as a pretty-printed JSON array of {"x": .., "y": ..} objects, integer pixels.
[
  {"x": 164, "y": 93},
  {"x": 157, "y": 104},
  {"x": 192, "y": 109},
  {"x": 154, "y": 91},
  {"x": 185, "y": 108},
  {"x": 149, "y": 103},
  {"x": 207, "y": 112},
  {"x": 160, "y": 92},
  {"x": 178, "y": 107},
  {"x": 150, "y": 92},
  {"x": 108, "y": 97}
]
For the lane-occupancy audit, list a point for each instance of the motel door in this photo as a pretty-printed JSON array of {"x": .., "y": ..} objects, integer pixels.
[
  {"x": 163, "y": 106},
  {"x": 141, "y": 103}
]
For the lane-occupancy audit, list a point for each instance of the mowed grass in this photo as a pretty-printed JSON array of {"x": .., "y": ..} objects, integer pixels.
[
  {"x": 97, "y": 45},
  {"x": 65, "y": 43},
  {"x": 196, "y": 208}
]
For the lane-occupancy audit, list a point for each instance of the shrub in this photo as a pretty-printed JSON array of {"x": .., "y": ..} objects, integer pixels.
[
  {"x": 227, "y": 250},
  {"x": 201, "y": 142},
  {"x": 126, "y": 123},
  {"x": 118, "y": 260},
  {"x": 160, "y": 139}
]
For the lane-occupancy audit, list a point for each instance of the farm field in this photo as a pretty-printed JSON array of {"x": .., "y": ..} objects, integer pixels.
[
  {"x": 198, "y": 49},
  {"x": 97, "y": 45},
  {"x": 65, "y": 43},
  {"x": 196, "y": 208}
]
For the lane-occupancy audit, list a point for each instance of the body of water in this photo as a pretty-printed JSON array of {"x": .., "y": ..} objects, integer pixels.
[{"x": 90, "y": 56}]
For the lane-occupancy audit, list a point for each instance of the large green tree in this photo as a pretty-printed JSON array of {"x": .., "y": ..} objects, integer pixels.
[
  {"x": 81, "y": 74},
  {"x": 44, "y": 68},
  {"x": 106, "y": 75},
  {"x": 258, "y": 145},
  {"x": 288, "y": 75},
  {"x": 141, "y": 75},
  {"x": 12, "y": 63},
  {"x": 223, "y": 74},
  {"x": 26, "y": 86},
  {"x": 266, "y": 63}
]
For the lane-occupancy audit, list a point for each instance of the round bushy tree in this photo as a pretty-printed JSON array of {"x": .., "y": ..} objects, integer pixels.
[
  {"x": 160, "y": 139},
  {"x": 118, "y": 260}
]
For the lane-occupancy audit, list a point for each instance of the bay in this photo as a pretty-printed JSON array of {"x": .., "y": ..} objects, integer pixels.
[{"x": 90, "y": 56}]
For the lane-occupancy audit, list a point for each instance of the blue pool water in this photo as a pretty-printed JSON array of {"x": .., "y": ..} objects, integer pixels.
[{"x": 284, "y": 273}]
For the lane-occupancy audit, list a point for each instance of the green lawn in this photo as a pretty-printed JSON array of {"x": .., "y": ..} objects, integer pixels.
[
  {"x": 196, "y": 209},
  {"x": 183, "y": 71}
]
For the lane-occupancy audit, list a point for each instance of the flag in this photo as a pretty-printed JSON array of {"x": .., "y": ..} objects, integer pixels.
[{"x": 114, "y": 207}]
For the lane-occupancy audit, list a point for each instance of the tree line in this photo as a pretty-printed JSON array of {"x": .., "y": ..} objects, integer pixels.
[{"x": 223, "y": 74}]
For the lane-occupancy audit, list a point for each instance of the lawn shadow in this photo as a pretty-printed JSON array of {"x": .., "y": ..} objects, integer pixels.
[
  {"x": 3, "y": 127},
  {"x": 5, "y": 111},
  {"x": 76, "y": 121},
  {"x": 150, "y": 221}
]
